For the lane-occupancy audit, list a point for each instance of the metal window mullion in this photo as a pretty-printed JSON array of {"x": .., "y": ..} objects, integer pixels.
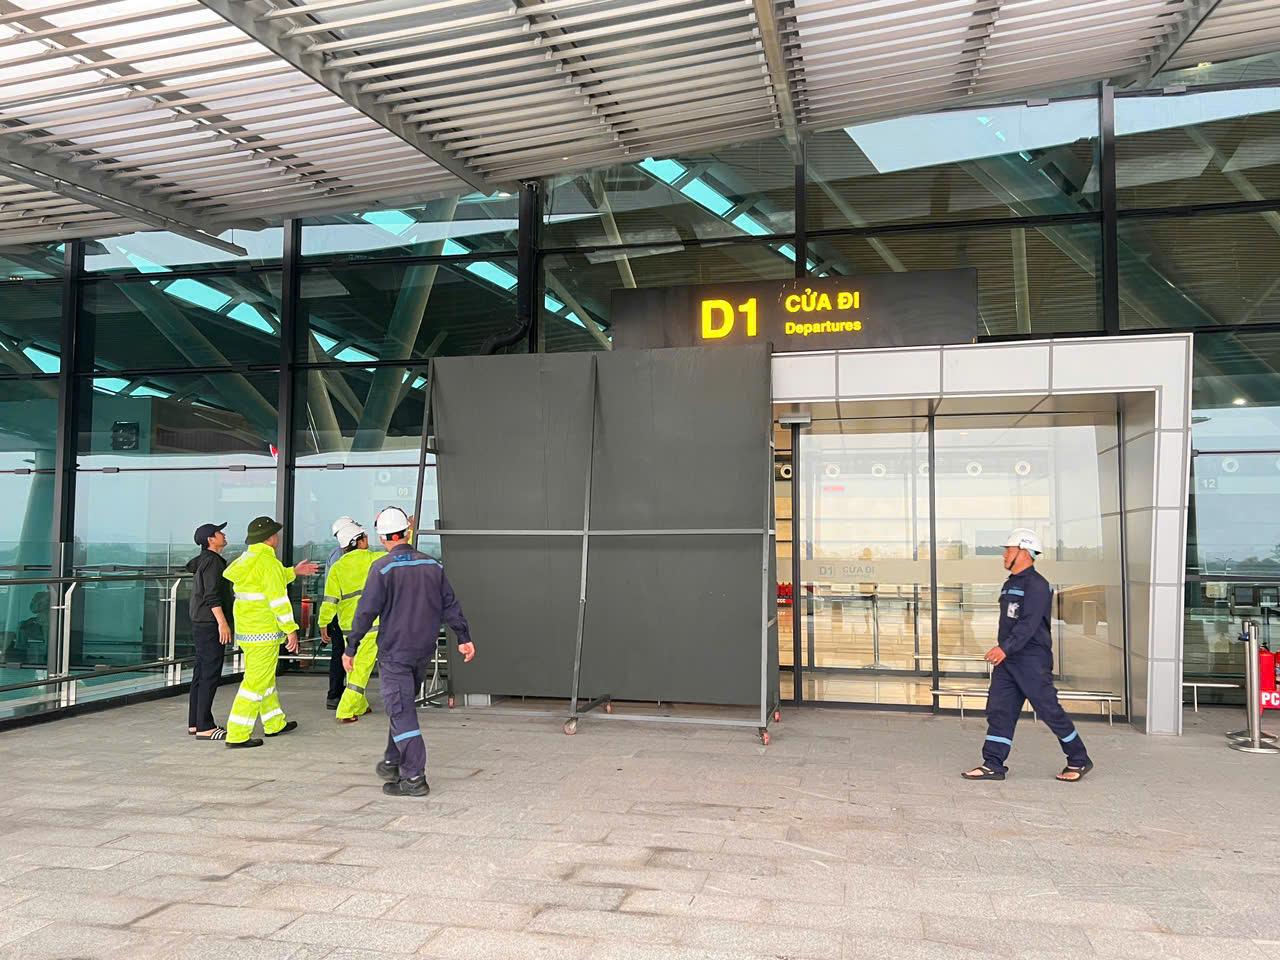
[
  {"x": 1110, "y": 222},
  {"x": 290, "y": 283}
]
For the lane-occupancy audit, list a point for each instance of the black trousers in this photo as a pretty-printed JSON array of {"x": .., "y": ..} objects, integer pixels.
[
  {"x": 337, "y": 676},
  {"x": 206, "y": 676}
]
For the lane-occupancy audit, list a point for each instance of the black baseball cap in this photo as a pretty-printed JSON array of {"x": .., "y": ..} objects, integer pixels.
[{"x": 207, "y": 530}]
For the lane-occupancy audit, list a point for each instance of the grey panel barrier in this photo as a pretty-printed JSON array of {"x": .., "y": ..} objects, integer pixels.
[
  {"x": 681, "y": 444},
  {"x": 512, "y": 435},
  {"x": 607, "y": 525}
]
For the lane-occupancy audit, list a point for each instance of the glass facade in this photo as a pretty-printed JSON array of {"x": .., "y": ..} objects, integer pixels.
[{"x": 202, "y": 385}]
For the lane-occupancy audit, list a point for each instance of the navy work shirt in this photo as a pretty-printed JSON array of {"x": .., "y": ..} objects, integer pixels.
[
  {"x": 409, "y": 595},
  {"x": 1026, "y": 600}
]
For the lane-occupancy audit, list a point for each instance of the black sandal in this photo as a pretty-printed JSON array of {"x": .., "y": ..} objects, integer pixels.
[
  {"x": 1082, "y": 771},
  {"x": 218, "y": 734},
  {"x": 987, "y": 774}
]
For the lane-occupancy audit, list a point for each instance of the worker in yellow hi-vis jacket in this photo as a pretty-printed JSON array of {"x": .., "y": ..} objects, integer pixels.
[
  {"x": 263, "y": 616},
  {"x": 343, "y": 586}
]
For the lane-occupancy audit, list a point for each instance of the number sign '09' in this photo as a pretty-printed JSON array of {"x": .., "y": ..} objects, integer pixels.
[{"x": 878, "y": 310}]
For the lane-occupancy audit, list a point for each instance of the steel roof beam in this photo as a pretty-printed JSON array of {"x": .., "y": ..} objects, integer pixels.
[
  {"x": 1193, "y": 15},
  {"x": 776, "y": 59},
  {"x": 270, "y": 34},
  {"x": 63, "y": 178}
]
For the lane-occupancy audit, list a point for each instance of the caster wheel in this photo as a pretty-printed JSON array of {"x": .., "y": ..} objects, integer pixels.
[
  {"x": 608, "y": 708},
  {"x": 451, "y": 703},
  {"x": 764, "y": 738},
  {"x": 777, "y": 716},
  {"x": 570, "y": 727}
]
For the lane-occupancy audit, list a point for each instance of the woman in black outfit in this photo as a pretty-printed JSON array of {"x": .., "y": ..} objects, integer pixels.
[{"x": 210, "y": 629}]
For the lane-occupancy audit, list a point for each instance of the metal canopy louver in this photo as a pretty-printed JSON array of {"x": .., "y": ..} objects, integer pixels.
[{"x": 197, "y": 115}]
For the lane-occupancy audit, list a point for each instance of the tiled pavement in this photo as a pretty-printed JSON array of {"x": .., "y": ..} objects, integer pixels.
[{"x": 851, "y": 836}]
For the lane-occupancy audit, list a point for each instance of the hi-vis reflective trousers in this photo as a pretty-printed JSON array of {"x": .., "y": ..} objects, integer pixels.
[
  {"x": 355, "y": 699},
  {"x": 257, "y": 694}
]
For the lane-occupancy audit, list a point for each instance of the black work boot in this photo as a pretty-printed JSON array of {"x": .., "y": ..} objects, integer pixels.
[
  {"x": 287, "y": 728},
  {"x": 243, "y": 744},
  {"x": 417, "y": 787},
  {"x": 389, "y": 772}
]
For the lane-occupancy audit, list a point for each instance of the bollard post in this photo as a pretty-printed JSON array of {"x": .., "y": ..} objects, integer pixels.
[{"x": 1252, "y": 739}]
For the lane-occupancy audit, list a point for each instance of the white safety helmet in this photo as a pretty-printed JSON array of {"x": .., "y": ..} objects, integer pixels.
[
  {"x": 1026, "y": 539},
  {"x": 339, "y": 524},
  {"x": 349, "y": 533},
  {"x": 391, "y": 520}
]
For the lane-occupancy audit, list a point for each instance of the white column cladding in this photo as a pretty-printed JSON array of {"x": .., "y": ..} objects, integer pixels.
[{"x": 1153, "y": 373}]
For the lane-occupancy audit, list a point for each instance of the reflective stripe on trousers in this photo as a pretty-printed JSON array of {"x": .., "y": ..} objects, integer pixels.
[
  {"x": 257, "y": 694},
  {"x": 355, "y": 702}
]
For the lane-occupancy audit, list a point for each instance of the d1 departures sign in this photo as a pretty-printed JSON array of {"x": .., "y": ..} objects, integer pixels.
[{"x": 921, "y": 308}]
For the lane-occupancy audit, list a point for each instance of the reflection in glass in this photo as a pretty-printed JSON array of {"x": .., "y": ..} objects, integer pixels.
[
  {"x": 155, "y": 251},
  {"x": 746, "y": 190},
  {"x": 354, "y": 415},
  {"x": 1235, "y": 394},
  {"x": 579, "y": 287},
  {"x": 1030, "y": 279},
  {"x": 31, "y": 262},
  {"x": 1004, "y": 161},
  {"x": 435, "y": 229},
  {"x": 1058, "y": 475},
  {"x": 30, "y": 327},
  {"x": 360, "y": 313},
  {"x": 212, "y": 321},
  {"x": 1199, "y": 271},
  {"x": 358, "y": 492},
  {"x": 1236, "y": 514},
  {"x": 213, "y": 419},
  {"x": 862, "y": 529},
  {"x": 1198, "y": 147},
  {"x": 28, "y": 438},
  {"x": 144, "y": 519}
]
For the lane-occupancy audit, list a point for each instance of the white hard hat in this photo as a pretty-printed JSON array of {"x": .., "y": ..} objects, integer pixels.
[
  {"x": 391, "y": 520},
  {"x": 349, "y": 533},
  {"x": 340, "y": 523},
  {"x": 1026, "y": 539}
]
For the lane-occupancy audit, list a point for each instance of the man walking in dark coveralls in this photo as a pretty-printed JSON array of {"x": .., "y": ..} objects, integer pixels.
[
  {"x": 1023, "y": 658},
  {"x": 409, "y": 595}
]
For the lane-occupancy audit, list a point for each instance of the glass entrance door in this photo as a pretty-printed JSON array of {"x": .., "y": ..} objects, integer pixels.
[
  {"x": 862, "y": 532},
  {"x": 869, "y": 520}
]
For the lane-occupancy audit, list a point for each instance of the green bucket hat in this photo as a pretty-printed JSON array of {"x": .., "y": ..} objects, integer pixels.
[{"x": 262, "y": 528}]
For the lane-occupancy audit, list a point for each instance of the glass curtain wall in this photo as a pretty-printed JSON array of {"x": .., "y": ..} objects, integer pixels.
[{"x": 1116, "y": 213}]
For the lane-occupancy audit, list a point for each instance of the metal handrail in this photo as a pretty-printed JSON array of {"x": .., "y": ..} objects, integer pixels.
[
  {"x": 106, "y": 672},
  {"x": 49, "y": 581}
]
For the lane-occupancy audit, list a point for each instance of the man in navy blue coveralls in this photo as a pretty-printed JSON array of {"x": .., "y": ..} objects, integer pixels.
[
  {"x": 1023, "y": 671},
  {"x": 409, "y": 596}
]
